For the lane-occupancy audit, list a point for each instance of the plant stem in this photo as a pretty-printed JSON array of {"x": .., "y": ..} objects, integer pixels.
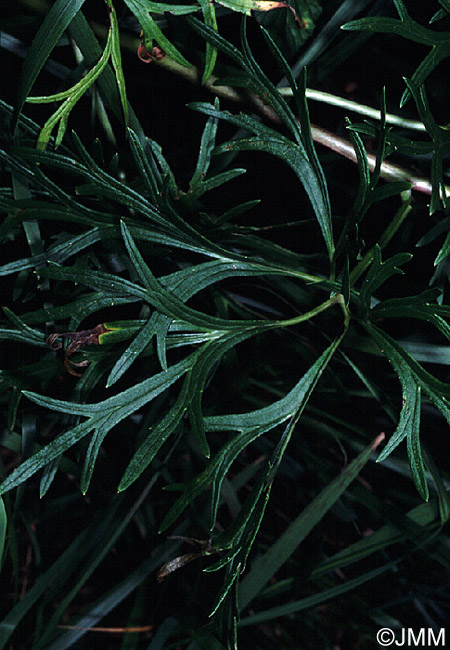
[
  {"x": 356, "y": 107},
  {"x": 337, "y": 298},
  {"x": 389, "y": 171}
]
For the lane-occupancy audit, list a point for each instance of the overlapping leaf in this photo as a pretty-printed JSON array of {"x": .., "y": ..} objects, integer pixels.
[
  {"x": 101, "y": 417},
  {"x": 408, "y": 28}
]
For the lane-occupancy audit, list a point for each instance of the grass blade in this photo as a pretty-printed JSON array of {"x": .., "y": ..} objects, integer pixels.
[{"x": 267, "y": 565}]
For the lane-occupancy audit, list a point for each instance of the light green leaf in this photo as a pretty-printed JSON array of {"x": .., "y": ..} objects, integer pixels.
[
  {"x": 116, "y": 58},
  {"x": 71, "y": 97},
  {"x": 153, "y": 32},
  {"x": 55, "y": 23},
  {"x": 209, "y": 16}
]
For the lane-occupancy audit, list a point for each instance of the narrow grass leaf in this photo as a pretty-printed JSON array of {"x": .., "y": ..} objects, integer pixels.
[
  {"x": 209, "y": 16},
  {"x": 266, "y": 566},
  {"x": 153, "y": 32},
  {"x": 163, "y": 634},
  {"x": 62, "y": 568},
  {"x": 425, "y": 517},
  {"x": 315, "y": 599},
  {"x": 104, "y": 542}
]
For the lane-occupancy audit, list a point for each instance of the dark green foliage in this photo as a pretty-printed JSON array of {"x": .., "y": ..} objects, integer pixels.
[{"x": 163, "y": 328}]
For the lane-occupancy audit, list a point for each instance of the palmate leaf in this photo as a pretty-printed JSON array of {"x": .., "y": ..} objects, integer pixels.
[
  {"x": 172, "y": 228},
  {"x": 300, "y": 155},
  {"x": 410, "y": 29},
  {"x": 299, "y": 93},
  {"x": 164, "y": 301},
  {"x": 189, "y": 400},
  {"x": 102, "y": 417},
  {"x": 250, "y": 425},
  {"x": 182, "y": 284}
]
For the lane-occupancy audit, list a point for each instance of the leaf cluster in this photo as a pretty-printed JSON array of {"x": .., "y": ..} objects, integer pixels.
[{"x": 208, "y": 356}]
